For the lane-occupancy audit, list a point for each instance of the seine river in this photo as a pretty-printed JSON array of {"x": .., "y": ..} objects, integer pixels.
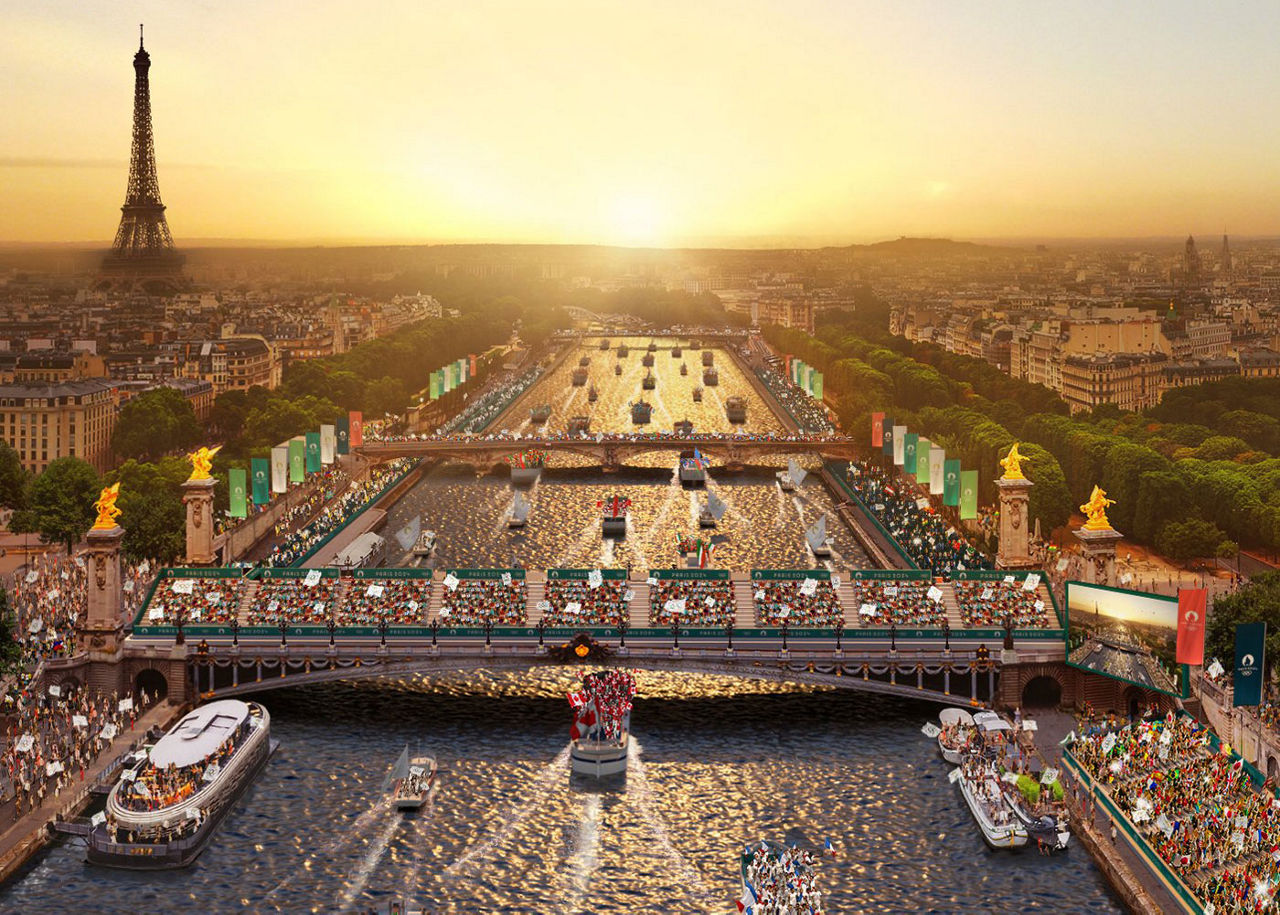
[{"x": 723, "y": 762}]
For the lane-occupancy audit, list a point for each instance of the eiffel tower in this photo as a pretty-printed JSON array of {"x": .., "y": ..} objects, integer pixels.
[{"x": 142, "y": 258}]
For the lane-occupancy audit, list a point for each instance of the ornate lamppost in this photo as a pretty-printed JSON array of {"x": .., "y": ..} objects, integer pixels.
[
  {"x": 675, "y": 634},
  {"x": 283, "y": 625},
  {"x": 332, "y": 627}
]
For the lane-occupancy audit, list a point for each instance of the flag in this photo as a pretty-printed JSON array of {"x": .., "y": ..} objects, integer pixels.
[
  {"x": 344, "y": 435},
  {"x": 910, "y": 442},
  {"x": 899, "y": 442},
  {"x": 435, "y": 387},
  {"x": 951, "y": 482},
  {"x": 236, "y": 484},
  {"x": 280, "y": 468},
  {"x": 829, "y": 848},
  {"x": 471, "y": 365},
  {"x": 817, "y": 386},
  {"x": 1191, "y": 610},
  {"x": 1251, "y": 643},
  {"x": 877, "y": 430},
  {"x": 357, "y": 428},
  {"x": 706, "y": 551},
  {"x": 261, "y": 480},
  {"x": 328, "y": 443},
  {"x": 313, "y": 452},
  {"x": 746, "y": 903},
  {"x": 297, "y": 459},
  {"x": 922, "y": 461},
  {"x": 968, "y": 495},
  {"x": 937, "y": 471},
  {"x": 887, "y": 437}
]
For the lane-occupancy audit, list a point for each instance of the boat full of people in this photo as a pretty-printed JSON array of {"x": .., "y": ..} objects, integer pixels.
[
  {"x": 600, "y": 737},
  {"x": 778, "y": 880},
  {"x": 425, "y": 544},
  {"x": 955, "y": 735},
  {"x": 410, "y": 781},
  {"x": 980, "y": 785},
  {"x": 164, "y": 810}
]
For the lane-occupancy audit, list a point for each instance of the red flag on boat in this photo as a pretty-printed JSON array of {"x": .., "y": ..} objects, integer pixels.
[{"x": 1191, "y": 611}]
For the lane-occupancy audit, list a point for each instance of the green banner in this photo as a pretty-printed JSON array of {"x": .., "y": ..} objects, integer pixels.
[
  {"x": 1251, "y": 648},
  {"x": 584, "y": 574},
  {"x": 484, "y": 573},
  {"x": 297, "y": 460},
  {"x": 313, "y": 452},
  {"x": 416, "y": 574},
  {"x": 890, "y": 575},
  {"x": 922, "y": 461},
  {"x": 435, "y": 387},
  {"x": 968, "y": 495},
  {"x": 344, "y": 435},
  {"x": 269, "y": 574},
  {"x": 261, "y": 480},
  {"x": 236, "y": 485},
  {"x": 817, "y": 386},
  {"x": 887, "y": 439},
  {"x": 690, "y": 574},
  {"x": 910, "y": 444},
  {"x": 951, "y": 482},
  {"x": 790, "y": 574}
]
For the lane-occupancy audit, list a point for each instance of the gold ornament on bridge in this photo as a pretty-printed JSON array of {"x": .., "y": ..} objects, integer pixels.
[
  {"x": 106, "y": 506},
  {"x": 1012, "y": 464},
  {"x": 1096, "y": 510},
  {"x": 202, "y": 463}
]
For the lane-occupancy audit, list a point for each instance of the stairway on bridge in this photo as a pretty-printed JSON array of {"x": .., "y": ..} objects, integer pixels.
[
  {"x": 848, "y": 605},
  {"x": 436, "y": 602},
  {"x": 638, "y": 608},
  {"x": 952, "y": 606},
  {"x": 744, "y": 604},
  {"x": 535, "y": 592},
  {"x": 248, "y": 595}
]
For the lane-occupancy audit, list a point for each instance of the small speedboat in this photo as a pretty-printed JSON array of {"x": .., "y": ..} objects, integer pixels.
[
  {"x": 410, "y": 780},
  {"x": 425, "y": 544}
]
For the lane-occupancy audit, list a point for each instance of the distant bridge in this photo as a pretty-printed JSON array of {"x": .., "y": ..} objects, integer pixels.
[{"x": 612, "y": 451}]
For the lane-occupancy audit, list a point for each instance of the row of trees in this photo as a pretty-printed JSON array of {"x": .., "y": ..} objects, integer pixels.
[{"x": 1190, "y": 482}]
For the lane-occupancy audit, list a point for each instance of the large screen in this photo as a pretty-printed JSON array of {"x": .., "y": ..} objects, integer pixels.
[{"x": 1127, "y": 635}]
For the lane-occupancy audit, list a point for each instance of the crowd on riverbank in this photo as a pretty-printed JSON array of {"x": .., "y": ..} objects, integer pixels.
[
  {"x": 926, "y": 537},
  {"x": 810, "y": 415},
  {"x": 621, "y": 438},
  {"x": 296, "y": 545},
  {"x": 484, "y": 409},
  {"x": 1198, "y": 809},
  {"x": 53, "y": 737}
]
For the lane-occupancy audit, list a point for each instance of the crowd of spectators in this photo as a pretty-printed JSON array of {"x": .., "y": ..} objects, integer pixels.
[
  {"x": 52, "y": 739},
  {"x": 900, "y": 603},
  {"x": 691, "y": 602},
  {"x": 573, "y": 602},
  {"x": 296, "y": 546},
  {"x": 809, "y": 414},
  {"x": 919, "y": 531},
  {"x": 781, "y": 883},
  {"x": 785, "y": 601},
  {"x": 1197, "y": 809},
  {"x": 484, "y": 409},
  {"x": 992, "y": 603},
  {"x": 196, "y": 601},
  {"x": 477, "y": 601},
  {"x": 400, "y": 601},
  {"x": 293, "y": 601}
]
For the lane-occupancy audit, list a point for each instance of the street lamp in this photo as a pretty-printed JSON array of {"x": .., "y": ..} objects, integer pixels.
[
  {"x": 180, "y": 639},
  {"x": 786, "y": 625},
  {"x": 622, "y": 633},
  {"x": 893, "y": 636},
  {"x": 435, "y": 628},
  {"x": 235, "y": 632},
  {"x": 839, "y": 634},
  {"x": 946, "y": 634},
  {"x": 284, "y": 631},
  {"x": 675, "y": 633},
  {"x": 728, "y": 631},
  {"x": 488, "y": 632},
  {"x": 542, "y": 628},
  {"x": 332, "y": 627},
  {"x": 382, "y": 630}
]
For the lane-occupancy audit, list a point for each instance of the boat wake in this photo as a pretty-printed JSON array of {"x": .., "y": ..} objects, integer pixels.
[
  {"x": 585, "y": 858},
  {"x": 515, "y": 815},
  {"x": 690, "y": 878},
  {"x": 356, "y": 830},
  {"x": 377, "y": 848}
]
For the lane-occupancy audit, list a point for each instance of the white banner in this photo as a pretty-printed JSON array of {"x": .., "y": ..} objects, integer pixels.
[
  {"x": 53, "y": 768},
  {"x": 808, "y": 587},
  {"x": 98, "y": 818},
  {"x": 280, "y": 468},
  {"x": 25, "y": 743},
  {"x": 867, "y": 610},
  {"x": 594, "y": 579},
  {"x": 506, "y": 579},
  {"x": 934, "y": 593},
  {"x": 1031, "y": 582},
  {"x": 930, "y": 730},
  {"x": 79, "y": 721},
  {"x": 55, "y": 691},
  {"x": 312, "y": 579},
  {"x": 451, "y": 582},
  {"x": 183, "y": 586},
  {"x": 125, "y": 704},
  {"x": 328, "y": 443},
  {"x": 1049, "y": 776},
  {"x": 573, "y": 607},
  {"x": 374, "y": 591},
  {"x": 109, "y": 732},
  {"x": 953, "y": 776}
]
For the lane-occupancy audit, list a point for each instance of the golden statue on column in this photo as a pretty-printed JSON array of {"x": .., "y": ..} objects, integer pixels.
[
  {"x": 202, "y": 463},
  {"x": 1096, "y": 510},
  {"x": 1012, "y": 464},
  {"x": 106, "y": 506}
]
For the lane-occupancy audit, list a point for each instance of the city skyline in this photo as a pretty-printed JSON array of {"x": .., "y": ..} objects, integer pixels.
[{"x": 819, "y": 124}]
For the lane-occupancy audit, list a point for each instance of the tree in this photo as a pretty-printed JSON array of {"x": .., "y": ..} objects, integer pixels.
[
  {"x": 1194, "y": 538},
  {"x": 151, "y": 510},
  {"x": 155, "y": 423},
  {"x": 386, "y": 395},
  {"x": 1256, "y": 602},
  {"x": 61, "y": 502},
  {"x": 10, "y": 651},
  {"x": 13, "y": 478}
]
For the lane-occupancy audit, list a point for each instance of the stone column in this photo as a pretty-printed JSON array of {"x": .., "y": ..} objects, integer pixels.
[
  {"x": 1098, "y": 548},
  {"x": 1012, "y": 552},
  {"x": 101, "y": 630},
  {"x": 197, "y": 495}
]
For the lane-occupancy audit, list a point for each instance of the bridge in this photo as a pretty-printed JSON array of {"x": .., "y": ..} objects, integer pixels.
[{"x": 611, "y": 451}]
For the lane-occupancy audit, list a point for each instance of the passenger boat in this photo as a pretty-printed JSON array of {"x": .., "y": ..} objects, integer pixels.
[
  {"x": 816, "y": 537},
  {"x": 641, "y": 411},
  {"x": 1001, "y": 827},
  {"x": 601, "y": 734},
  {"x": 649, "y": 382},
  {"x": 735, "y": 409},
  {"x": 684, "y": 369},
  {"x": 708, "y": 358},
  {"x": 519, "y": 511},
  {"x": 163, "y": 812},
  {"x": 526, "y": 465},
  {"x": 766, "y": 867},
  {"x": 693, "y": 467},
  {"x": 425, "y": 544},
  {"x": 410, "y": 781},
  {"x": 653, "y": 346},
  {"x": 647, "y": 361},
  {"x": 695, "y": 345},
  {"x": 578, "y": 424},
  {"x": 579, "y": 377},
  {"x": 953, "y": 739},
  {"x": 697, "y": 395},
  {"x": 540, "y": 414},
  {"x": 710, "y": 377},
  {"x": 676, "y": 352},
  {"x": 682, "y": 427},
  {"x": 712, "y": 512},
  {"x": 604, "y": 343},
  {"x": 584, "y": 362},
  {"x": 1050, "y": 830},
  {"x": 592, "y": 394},
  {"x": 613, "y": 516},
  {"x": 617, "y": 370},
  {"x": 622, "y": 350}
]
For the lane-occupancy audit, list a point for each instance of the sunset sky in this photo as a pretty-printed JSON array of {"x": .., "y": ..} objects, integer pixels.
[{"x": 651, "y": 122}]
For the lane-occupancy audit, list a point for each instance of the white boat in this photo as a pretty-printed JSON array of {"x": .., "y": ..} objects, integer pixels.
[
  {"x": 712, "y": 512},
  {"x": 525, "y": 476},
  {"x": 519, "y": 511},
  {"x": 410, "y": 781},
  {"x": 426, "y": 543},
  {"x": 953, "y": 739},
  {"x": 816, "y": 537},
  {"x": 1001, "y": 826},
  {"x": 1050, "y": 829},
  {"x": 792, "y": 477},
  {"x": 207, "y": 760},
  {"x": 599, "y": 758}
]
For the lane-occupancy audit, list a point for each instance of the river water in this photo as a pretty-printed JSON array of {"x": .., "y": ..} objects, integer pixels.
[{"x": 723, "y": 762}]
